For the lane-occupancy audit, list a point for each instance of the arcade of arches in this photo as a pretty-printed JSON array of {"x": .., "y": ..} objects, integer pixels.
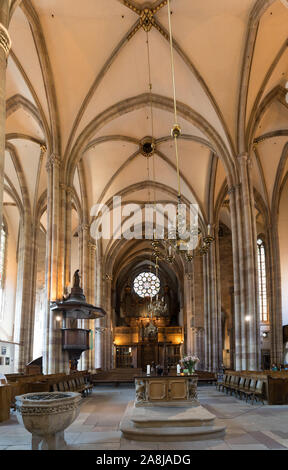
[{"x": 76, "y": 102}]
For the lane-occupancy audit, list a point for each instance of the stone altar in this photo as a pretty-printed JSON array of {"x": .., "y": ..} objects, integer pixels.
[
  {"x": 167, "y": 409},
  {"x": 166, "y": 390}
]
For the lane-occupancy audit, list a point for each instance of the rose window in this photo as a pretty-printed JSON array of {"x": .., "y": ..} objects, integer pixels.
[{"x": 146, "y": 284}]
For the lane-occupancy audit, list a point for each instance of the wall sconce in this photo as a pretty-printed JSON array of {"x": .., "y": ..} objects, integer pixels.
[
  {"x": 58, "y": 318},
  {"x": 248, "y": 318}
]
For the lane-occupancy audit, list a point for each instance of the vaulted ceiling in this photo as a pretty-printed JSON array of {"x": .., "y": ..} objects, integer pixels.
[{"x": 78, "y": 81}]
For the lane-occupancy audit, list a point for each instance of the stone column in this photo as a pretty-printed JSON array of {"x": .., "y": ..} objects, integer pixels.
[
  {"x": 85, "y": 270},
  {"x": 98, "y": 301},
  {"x": 5, "y": 45},
  {"x": 26, "y": 331},
  {"x": 92, "y": 299},
  {"x": 218, "y": 297},
  {"x": 213, "y": 355},
  {"x": 189, "y": 312},
  {"x": 275, "y": 306},
  {"x": 239, "y": 333},
  {"x": 107, "y": 335},
  {"x": 194, "y": 329},
  {"x": 66, "y": 234},
  {"x": 250, "y": 269},
  {"x": 35, "y": 243},
  {"x": 23, "y": 308},
  {"x": 52, "y": 354},
  {"x": 244, "y": 241}
]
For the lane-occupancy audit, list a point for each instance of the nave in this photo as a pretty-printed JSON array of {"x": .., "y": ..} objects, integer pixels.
[{"x": 248, "y": 427}]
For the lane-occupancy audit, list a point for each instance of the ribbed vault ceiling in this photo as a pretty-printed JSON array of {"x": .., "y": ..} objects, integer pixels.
[{"x": 74, "y": 64}]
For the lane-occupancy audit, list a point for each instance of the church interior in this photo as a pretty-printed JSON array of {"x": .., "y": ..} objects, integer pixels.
[{"x": 147, "y": 105}]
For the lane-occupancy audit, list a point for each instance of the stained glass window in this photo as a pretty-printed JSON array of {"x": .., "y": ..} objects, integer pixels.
[
  {"x": 262, "y": 281},
  {"x": 146, "y": 284}
]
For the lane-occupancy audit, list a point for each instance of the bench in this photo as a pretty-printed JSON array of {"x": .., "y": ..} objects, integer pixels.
[
  {"x": 205, "y": 376},
  {"x": 115, "y": 376},
  {"x": 5, "y": 402}
]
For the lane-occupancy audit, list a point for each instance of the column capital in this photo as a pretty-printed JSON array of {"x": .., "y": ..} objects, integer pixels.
[
  {"x": 5, "y": 41},
  {"x": 53, "y": 161}
]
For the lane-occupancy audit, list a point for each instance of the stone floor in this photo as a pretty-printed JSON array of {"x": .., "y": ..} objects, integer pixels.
[{"x": 249, "y": 427}]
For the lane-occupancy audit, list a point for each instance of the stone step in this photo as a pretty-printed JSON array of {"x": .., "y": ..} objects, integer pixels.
[
  {"x": 169, "y": 434},
  {"x": 160, "y": 416},
  {"x": 149, "y": 424}
]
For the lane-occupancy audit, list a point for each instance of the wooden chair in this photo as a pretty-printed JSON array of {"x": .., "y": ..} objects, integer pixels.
[
  {"x": 241, "y": 385},
  {"x": 258, "y": 392},
  {"x": 225, "y": 386},
  {"x": 250, "y": 392},
  {"x": 233, "y": 386},
  {"x": 244, "y": 391}
]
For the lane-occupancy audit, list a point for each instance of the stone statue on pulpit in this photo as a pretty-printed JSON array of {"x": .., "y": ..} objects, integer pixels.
[{"x": 76, "y": 279}]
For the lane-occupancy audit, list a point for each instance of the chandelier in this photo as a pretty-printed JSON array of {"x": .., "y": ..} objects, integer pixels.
[
  {"x": 174, "y": 243},
  {"x": 179, "y": 240},
  {"x": 157, "y": 307}
]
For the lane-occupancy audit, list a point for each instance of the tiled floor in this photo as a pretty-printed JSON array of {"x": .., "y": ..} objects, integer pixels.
[{"x": 249, "y": 427}]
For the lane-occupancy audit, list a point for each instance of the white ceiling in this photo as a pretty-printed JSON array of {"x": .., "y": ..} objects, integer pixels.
[{"x": 80, "y": 37}]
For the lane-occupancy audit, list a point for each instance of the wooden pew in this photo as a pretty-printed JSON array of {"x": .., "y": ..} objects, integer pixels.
[
  {"x": 5, "y": 402},
  {"x": 21, "y": 384}
]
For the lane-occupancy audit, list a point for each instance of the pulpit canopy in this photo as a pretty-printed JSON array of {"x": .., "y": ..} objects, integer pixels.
[{"x": 75, "y": 306}]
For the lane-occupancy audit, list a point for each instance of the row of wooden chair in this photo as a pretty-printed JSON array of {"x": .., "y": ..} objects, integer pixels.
[
  {"x": 73, "y": 384},
  {"x": 250, "y": 388}
]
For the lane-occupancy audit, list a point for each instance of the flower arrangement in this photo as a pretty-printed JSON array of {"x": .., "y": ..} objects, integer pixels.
[{"x": 189, "y": 362}]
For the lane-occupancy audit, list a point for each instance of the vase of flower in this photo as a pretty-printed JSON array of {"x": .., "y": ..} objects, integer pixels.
[{"x": 189, "y": 363}]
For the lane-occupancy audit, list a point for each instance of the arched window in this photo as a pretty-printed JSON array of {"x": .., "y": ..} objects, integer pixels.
[
  {"x": 146, "y": 284},
  {"x": 262, "y": 281}
]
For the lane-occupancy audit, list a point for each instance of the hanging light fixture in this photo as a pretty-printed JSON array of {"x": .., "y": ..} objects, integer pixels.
[
  {"x": 180, "y": 241},
  {"x": 157, "y": 307}
]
